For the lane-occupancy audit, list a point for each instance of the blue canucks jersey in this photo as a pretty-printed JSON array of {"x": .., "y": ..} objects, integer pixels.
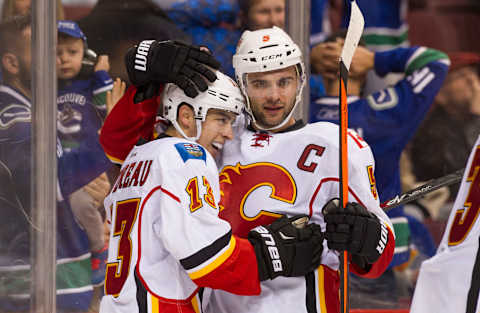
[
  {"x": 81, "y": 108},
  {"x": 388, "y": 119},
  {"x": 385, "y": 23},
  {"x": 75, "y": 169}
]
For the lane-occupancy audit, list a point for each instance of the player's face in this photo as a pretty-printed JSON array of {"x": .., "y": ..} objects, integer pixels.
[
  {"x": 272, "y": 95},
  {"x": 69, "y": 57},
  {"x": 216, "y": 129},
  {"x": 266, "y": 14}
]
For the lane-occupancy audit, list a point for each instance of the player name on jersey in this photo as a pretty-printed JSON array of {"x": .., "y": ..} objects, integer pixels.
[{"x": 140, "y": 170}]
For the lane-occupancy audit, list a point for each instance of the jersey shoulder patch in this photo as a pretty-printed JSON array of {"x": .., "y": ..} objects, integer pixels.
[{"x": 191, "y": 151}]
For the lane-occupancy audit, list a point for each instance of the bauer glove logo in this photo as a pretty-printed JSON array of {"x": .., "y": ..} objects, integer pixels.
[
  {"x": 141, "y": 55},
  {"x": 383, "y": 239},
  {"x": 272, "y": 248}
]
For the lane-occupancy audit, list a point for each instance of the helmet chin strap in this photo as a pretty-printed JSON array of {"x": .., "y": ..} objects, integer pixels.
[{"x": 198, "y": 124}]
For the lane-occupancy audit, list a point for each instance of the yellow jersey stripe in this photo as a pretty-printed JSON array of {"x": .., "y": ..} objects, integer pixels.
[
  {"x": 155, "y": 305},
  {"x": 195, "y": 305},
  {"x": 321, "y": 289},
  {"x": 114, "y": 159},
  {"x": 215, "y": 263}
]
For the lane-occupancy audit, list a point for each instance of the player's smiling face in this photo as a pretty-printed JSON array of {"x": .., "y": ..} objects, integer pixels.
[
  {"x": 69, "y": 57},
  {"x": 216, "y": 129},
  {"x": 272, "y": 95}
]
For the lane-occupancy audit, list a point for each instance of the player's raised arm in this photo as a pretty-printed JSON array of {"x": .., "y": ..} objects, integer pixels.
[{"x": 126, "y": 124}]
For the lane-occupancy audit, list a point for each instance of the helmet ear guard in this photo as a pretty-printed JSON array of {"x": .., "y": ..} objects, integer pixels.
[
  {"x": 267, "y": 50},
  {"x": 223, "y": 94}
]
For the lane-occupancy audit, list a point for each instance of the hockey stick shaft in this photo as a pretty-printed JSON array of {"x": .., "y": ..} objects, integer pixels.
[
  {"x": 343, "y": 180},
  {"x": 354, "y": 32},
  {"x": 424, "y": 189}
]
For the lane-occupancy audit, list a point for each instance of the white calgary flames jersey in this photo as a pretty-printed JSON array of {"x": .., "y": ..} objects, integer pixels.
[
  {"x": 265, "y": 175},
  {"x": 450, "y": 280},
  {"x": 165, "y": 230}
]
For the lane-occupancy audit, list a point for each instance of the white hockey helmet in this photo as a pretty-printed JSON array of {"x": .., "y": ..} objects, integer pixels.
[
  {"x": 267, "y": 50},
  {"x": 222, "y": 94}
]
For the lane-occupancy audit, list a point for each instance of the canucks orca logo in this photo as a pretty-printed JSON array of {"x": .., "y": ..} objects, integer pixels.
[
  {"x": 14, "y": 113},
  {"x": 191, "y": 151}
]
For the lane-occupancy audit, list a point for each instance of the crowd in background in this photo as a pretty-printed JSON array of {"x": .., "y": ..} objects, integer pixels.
[{"x": 435, "y": 127}]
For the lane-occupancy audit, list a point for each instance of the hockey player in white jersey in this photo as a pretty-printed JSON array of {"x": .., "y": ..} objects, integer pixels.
[
  {"x": 450, "y": 280},
  {"x": 278, "y": 166},
  {"x": 166, "y": 239}
]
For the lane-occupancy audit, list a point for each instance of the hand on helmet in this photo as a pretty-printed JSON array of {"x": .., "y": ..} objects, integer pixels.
[{"x": 161, "y": 62}]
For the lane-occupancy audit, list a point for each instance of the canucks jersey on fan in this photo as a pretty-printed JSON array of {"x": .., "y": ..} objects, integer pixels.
[
  {"x": 388, "y": 119},
  {"x": 81, "y": 108},
  {"x": 75, "y": 169},
  {"x": 385, "y": 23},
  {"x": 450, "y": 280},
  {"x": 166, "y": 238}
]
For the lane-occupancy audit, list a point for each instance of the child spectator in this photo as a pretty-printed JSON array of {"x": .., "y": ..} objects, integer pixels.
[{"x": 82, "y": 87}]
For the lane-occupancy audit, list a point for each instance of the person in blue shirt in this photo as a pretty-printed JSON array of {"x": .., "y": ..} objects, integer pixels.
[
  {"x": 83, "y": 82},
  {"x": 76, "y": 168},
  {"x": 386, "y": 119}
]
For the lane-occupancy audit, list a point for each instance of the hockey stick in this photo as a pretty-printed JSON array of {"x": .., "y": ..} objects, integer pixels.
[
  {"x": 422, "y": 190},
  {"x": 354, "y": 32}
]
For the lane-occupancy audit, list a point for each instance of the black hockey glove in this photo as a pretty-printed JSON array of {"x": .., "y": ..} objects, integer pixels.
[
  {"x": 355, "y": 230},
  {"x": 163, "y": 62},
  {"x": 287, "y": 247}
]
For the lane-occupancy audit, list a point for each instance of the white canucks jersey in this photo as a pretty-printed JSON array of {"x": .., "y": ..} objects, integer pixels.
[
  {"x": 265, "y": 175},
  {"x": 450, "y": 280},
  {"x": 165, "y": 230}
]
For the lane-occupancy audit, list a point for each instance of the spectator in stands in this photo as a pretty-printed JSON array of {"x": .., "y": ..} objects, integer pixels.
[
  {"x": 83, "y": 82},
  {"x": 386, "y": 28},
  {"x": 75, "y": 169},
  {"x": 445, "y": 139},
  {"x": 219, "y": 26},
  {"x": 258, "y": 14},
  {"x": 387, "y": 120},
  {"x": 22, "y": 7},
  {"x": 113, "y": 26},
  {"x": 213, "y": 26}
]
